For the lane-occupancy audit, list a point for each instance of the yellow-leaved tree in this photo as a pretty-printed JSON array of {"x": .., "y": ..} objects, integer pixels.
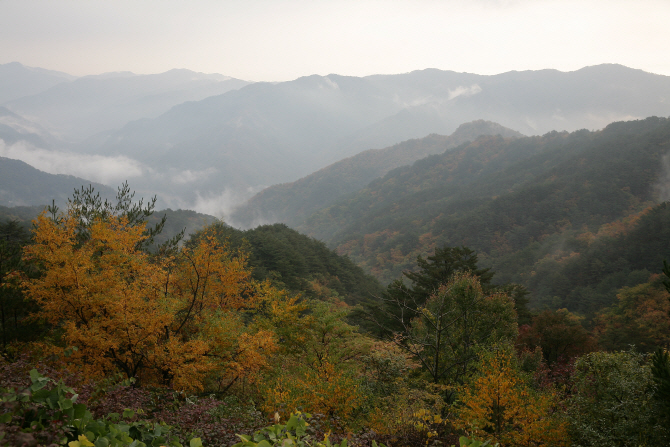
[
  {"x": 500, "y": 405},
  {"x": 179, "y": 319},
  {"x": 321, "y": 370}
]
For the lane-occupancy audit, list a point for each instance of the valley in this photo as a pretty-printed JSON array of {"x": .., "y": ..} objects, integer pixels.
[{"x": 194, "y": 252}]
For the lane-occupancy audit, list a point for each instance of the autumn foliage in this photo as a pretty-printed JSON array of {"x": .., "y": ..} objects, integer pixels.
[
  {"x": 193, "y": 319},
  {"x": 641, "y": 315},
  {"x": 501, "y": 405},
  {"x": 321, "y": 368},
  {"x": 175, "y": 320}
]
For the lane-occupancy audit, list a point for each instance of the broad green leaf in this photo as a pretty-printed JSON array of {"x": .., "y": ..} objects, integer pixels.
[
  {"x": 38, "y": 385},
  {"x": 35, "y": 375},
  {"x": 79, "y": 411},
  {"x": 40, "y": 395},
  {"x": 293, "y": 422}
]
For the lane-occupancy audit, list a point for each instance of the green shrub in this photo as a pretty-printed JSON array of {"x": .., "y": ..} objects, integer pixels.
[
  {"x": 465, "y": 442},
  {"x": 294, "y": 433},
  {"x": 613, "y": 402},
  {"x": 47, "y": 413}
]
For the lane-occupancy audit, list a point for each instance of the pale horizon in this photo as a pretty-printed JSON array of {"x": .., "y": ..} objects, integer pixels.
[
  {"x": 262, "y": 40},
  {"x": 334, "y": 74}
]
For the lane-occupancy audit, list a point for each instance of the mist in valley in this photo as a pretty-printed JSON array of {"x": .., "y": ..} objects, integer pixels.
[
  {"x": 391, "y": 215},
  {"x": 212, "y": 154}
]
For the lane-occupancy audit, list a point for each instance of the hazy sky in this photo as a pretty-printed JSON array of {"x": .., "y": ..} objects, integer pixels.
[{"x": 276, "y": 40}]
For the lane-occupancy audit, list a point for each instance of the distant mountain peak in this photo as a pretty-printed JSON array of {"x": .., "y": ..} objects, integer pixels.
[
  {"x": 292, "y": 203},
  {"x": 113, "y": 74},
  {"x": 17, "y": 67},
  {"x": 481, "y": 127},
  {"x": 17, "y": 80}
]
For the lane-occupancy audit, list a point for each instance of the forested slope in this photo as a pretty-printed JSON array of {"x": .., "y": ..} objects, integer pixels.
[
  {"x": 587, "y": 272},
  {"x": 23, "y": 215},
  {"x": 514, "y": 201},
  {"x": 292, "y": 203},
  {"x": 269, "y": 133},
  {"x": 177, "y": 220},
  {"x": 23, "y": 185},
  {"x": 300, "y": 263}
]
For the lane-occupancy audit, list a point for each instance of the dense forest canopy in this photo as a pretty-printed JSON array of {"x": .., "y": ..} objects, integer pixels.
[
  {"x": 292, "y": 203},
  {"x": 299, "y": 263},
  {"x": 582, "y": 208}
]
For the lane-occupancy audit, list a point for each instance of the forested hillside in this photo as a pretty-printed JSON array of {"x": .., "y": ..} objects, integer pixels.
[
  {"x": 177, "y": 221},
  {"x": 300, "y": 263},
  {"x": 519, "y": 203},
  {"x": 198, "y": 341},
  {"x": 22, "y": 215},
  {"x": 292, "y": 203},
  {"x": 276, "y": 252},
  {"x": 269, "y": 133},
  {"x": 23, "y": 185},
  {"x": 209, "y": 142},
  {"x": 585, "y": 273}
]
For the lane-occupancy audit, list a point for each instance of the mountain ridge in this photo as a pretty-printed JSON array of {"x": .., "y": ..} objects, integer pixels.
[
  {"x": 18, "y": 80},
  {"x": 23, "y": 185},
  {"x": 292, "y": 203},
  {"x": 264, "y": 134},
  {"x": 516, "y": 202},
  {"x": 91, "y": 104}
]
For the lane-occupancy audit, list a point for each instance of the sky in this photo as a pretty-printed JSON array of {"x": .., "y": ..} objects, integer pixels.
[{"x": 278, "y": 40}]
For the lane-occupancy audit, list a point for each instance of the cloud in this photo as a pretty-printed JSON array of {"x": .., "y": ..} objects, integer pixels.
[
  {"x": 599, "y": 121},
  {"x": 97, "y": 168},
  {"x": 558, "y": 115},
  {"x": 174, "y": 188},
  {"x": 188, "y": 176},
  {"x": 464, "y": 91},
  {"x": 530, "y": 123},
  {"x": 331, "y": 83},
  {"x": 219, "y": 205},
  {"x": 22, "y": 125}
]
